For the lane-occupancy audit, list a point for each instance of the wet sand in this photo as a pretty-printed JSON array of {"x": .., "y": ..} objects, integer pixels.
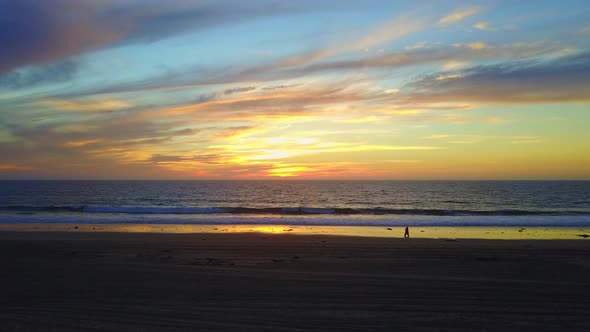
[{"x": 97, "y": 281}]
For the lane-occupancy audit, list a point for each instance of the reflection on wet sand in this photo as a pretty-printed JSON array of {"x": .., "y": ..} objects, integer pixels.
[{"x": 507, "y": 233}]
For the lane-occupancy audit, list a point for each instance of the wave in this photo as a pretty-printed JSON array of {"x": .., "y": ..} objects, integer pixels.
[{"x": 152, "y": 210}]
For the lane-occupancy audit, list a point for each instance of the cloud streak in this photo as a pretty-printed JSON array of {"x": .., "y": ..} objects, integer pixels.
[
  {"x": 564, "y": 79},
  {"x": 284, "y": 70},
  {"x": 44, "y": 32},
  {"x": 458, "y": 15},
  {"x": 41, "y": 32}
]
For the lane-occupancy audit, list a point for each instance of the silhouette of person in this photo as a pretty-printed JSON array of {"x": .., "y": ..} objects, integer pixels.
[{"x": 407, "y": 233}]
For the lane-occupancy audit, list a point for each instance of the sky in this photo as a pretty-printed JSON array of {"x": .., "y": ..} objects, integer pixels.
[{"x": 232, "y": 89}]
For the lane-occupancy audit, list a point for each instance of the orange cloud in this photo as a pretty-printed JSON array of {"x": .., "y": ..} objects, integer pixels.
[
  {"x": 100, "y": 105},
  {"x": 78, "y": 144},
  {"x": 14, "y": 167}
]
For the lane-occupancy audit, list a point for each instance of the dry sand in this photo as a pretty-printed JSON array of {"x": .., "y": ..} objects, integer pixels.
[{"x": 88, "y": 281}]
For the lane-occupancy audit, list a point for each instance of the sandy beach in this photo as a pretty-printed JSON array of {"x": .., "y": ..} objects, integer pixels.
[{"x": 110, "y": 281}]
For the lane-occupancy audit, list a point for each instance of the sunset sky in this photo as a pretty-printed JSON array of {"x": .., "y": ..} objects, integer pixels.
[{"x": 147, "y": 89}]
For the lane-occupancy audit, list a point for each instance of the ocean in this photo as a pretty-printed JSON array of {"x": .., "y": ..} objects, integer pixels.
[{"x": 350, "y": 203}]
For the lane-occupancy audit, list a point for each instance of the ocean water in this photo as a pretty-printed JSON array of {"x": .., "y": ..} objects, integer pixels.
[{"x": 365, "y": 203}]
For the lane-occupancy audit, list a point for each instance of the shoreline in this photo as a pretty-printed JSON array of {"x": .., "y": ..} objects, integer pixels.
[{"x": 427, "y": 232}]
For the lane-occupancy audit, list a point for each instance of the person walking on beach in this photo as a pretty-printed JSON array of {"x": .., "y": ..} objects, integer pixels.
[{"x": 407, "y": 233}]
